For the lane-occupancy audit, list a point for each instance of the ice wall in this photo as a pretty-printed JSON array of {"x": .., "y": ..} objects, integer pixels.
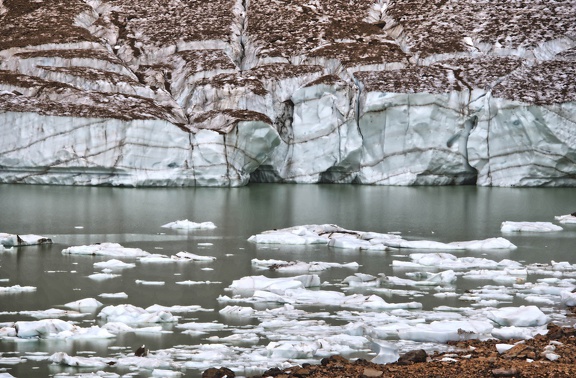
[{"x": 220, "y": 93}]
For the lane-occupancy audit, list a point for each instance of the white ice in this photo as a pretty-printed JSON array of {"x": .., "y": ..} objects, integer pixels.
[
  {"x": 509, "y": 226},
  {"x": 105, "y": 249},
  {"x": 444, "y": 331},
  {"x": 60, "y": 329},
  {"x": 113, "y": 264},
  {"x": 523, "y": 316},
  {"x": 84, "y": 305},
  {"x": 121, "y": 294},
  {"x": 299, "y": 266},
  {"x": 12, "y": 240},
  {"x": 62, "y": 358},
  {"x": 16, "y": 289},
  {"x": 188, "y": 225},
  {"x": 130, "y": 314},
  {"x": 566, "y": 219}
]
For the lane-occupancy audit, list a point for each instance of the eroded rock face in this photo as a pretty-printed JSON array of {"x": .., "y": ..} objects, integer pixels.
[{"x": 218, "y": 93}]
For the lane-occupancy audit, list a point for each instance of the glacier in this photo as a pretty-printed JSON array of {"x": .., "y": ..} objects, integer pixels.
[{"x": 375, "y": 92}]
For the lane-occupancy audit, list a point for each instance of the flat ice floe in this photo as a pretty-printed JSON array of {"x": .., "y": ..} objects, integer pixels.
[
  {"x": 84, "y": 305},
  {"x": 299, "y": 266},
  {"x": 509, "y": 226},
  {"x": 113, "y": 264},
  {"x": 178, "y": 257},
  {"x": 566, "y": 219},
  {"x": 56, "y": 329},
  {"x": 450, "y": 261},
  {"x": 16, "y": 289},
  {"x": 12, "y": 240},
  {"x": 338, "y": 237},
  {"x": 105, "y": 249},
  {"x": 188, "y": 225},
  {"x": 523, "y": 316}
]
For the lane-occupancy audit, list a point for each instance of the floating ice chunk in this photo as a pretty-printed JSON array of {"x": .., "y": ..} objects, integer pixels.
[
  {"x": 568, "y": 218},
  {"x": 568, "y": 298},
  {"x": 486, "y": 244},
  {"x": 275, "y": 285},
  {"x": 175, "y": 308},
  {"x": 387, "y": 353},
  {"x": 130, "y": 314},
  {"x": 166, "y": 373},
  {"x": 117, "y": 327},
  {"x": 508, "y": 226},
  {"x": 362, "y": 279},
  {"x": 523, "y": 316},
  {"x": 299, "y": 266},
  {"x": 448, "y": 261},
  {"x": 205, "y": 327},
  {"x": 84, "y": 305},
  {"x": 149, "y": 362},
  {"x": 155, "y": 258},
  {"x": 517, "y": 333},
  {"x": 239, "y": 338},
  {"x": 187, "y": 256},
  {"x": 287, "y": 238},
  {"x": 114, "y": 295},
  {"x": 52, "y": 313},
  {"x": 444, "y": 331},
  {"x": 105, "y": 249},
  {"x": 349, "y": 243},
  {"x": 102, "y": 276},
  {"x": 237, "y": 311},
  {"x": 432, "y": 279},
  {"x": 188, "y": 225},
  {"x": 189, "y": 282},
  {"x": 12, "y": 240},
  {"x": 62, "y": 358},
  {"x": 113, "y": 264},
  {"x": 16, "y": 289},
  {"x": 150, "y": 283},
  {"x": 292, "y": 349},
  {"x": 41, "y": 328}
]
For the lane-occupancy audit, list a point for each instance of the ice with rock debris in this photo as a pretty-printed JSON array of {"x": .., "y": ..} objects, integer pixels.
[
  {"x": 509, "y": 226},
  {"x": 12, "y": 240},
  {"x": 523, "y": 316},
  {"x": 189, "y": 225},
  {"x": 105, "y": 249},
  {"x": 299, "y": 266},
  {"x": 130, "y": 314}
]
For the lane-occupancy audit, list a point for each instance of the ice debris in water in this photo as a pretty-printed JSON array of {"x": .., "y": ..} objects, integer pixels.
[
  {"x": 84, "y": 305},
  {"x": 508, "y": 226},
  {"x": 16, "y": 289},
  {"x": 188, "y": 225},
  {"x": 338, "y": 237},
  {"x": 523, "y": 316},
  {"x": 444, "y": 331},
  {"x": 12, "y": 240},
  {"x": 450, "y": 261},
  {"x": 130, "y": 314},
  {"x": 113, "y": 264},
  {"x": 58, "y": 329},
  {"x": 299, "y": 266},
  {"x": 178, "y": 257},
  {"x": 105, "y": 249},
  {"x": 566, "y": 219}
]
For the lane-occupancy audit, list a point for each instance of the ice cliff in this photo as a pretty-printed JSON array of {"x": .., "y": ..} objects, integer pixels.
[{"x": 223, "y": 92}]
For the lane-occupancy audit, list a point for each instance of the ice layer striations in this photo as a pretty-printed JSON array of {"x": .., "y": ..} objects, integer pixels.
[{"x": 224, "y": 92}]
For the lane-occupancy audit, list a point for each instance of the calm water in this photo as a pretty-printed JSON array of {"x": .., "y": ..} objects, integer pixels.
[{"x": 133, "y": 218}]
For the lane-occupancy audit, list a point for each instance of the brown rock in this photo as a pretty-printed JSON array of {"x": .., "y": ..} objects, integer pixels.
[
  {"x": 414, "y": 356},
  {"x": 370, "y": 372},
  {"x": 504, "y": 372},
  {"x": 334, "y": 361},
  {"x": 218, "y": 373}
]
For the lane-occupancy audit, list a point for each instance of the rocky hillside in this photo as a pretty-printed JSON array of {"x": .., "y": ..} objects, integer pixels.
[{"x": 223, "y": 92}]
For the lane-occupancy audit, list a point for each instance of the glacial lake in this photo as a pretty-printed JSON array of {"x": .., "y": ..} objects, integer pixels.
[{"x": 73, "y": 216}]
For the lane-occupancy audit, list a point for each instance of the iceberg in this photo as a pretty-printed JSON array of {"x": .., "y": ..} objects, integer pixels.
[
  {"x": 508, "y": 226},
  {"x": 444, "y": 331},
  {"x": 105, "y": 249},
  {"x": 131, "y": 314},
  {"x": 189, "y": 225},
  {"x": 567, "y": 219},
  {"x": 12, "y": 240},
  {"x": 523, "y": 316}
]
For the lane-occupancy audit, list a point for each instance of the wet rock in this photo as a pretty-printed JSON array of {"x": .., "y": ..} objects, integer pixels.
[
  {"x": 505, "y": 372},
  {"x": 218, "y": 373},
  {"x": 414, "y": 356}
]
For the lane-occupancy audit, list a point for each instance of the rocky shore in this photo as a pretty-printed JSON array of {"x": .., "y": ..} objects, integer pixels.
[{"x": 550, "y": 355}]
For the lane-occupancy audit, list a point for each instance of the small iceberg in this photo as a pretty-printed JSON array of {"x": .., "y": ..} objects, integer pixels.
[
  {"x": 84, "y": 305},
  {"x": 12, "y": 240},
  {"x": 61, "y": 358},
  {"x": 566, "y": 219},
  {"x": 113, "y": 264},
  {"x": 105, "y": 249},
  {"x": 131, "y": 314},
  {"x": 188, "y": 225},
  {"x": 299, "y": 266},
  {"x": 508, "y": 226},
  {"x": 523, "y": 316},
  {"x": 16, "y": 289}
]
